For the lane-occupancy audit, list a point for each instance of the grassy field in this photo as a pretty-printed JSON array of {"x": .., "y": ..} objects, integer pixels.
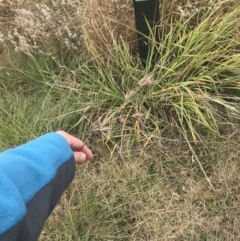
[{"x": 165, "y": 137}]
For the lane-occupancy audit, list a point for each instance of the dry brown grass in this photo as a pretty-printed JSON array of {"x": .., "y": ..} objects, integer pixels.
[
  {"x": 42, "y": 25},
  {"x": 112, "y": 17},
  {"x": 158, "y": 196}
]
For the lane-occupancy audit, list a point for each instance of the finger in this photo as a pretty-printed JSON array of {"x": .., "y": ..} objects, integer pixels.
[
  {"x": 76, "y": 144},
  {"x": 80, "y": 157},
  {"x": 87, "y": 151}
]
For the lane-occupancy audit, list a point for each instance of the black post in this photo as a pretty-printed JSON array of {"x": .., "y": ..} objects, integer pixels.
[{"x": 146, "y": 16}]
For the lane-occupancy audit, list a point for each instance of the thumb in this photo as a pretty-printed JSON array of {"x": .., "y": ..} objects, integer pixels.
[{"x": 80, "y": 157}]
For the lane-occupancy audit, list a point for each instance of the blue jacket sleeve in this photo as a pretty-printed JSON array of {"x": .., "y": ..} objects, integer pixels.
[{"x": 33, "y": 177}]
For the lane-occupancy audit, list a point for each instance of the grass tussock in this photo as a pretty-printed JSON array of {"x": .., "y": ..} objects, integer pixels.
[{"x": 165, "y": 137}]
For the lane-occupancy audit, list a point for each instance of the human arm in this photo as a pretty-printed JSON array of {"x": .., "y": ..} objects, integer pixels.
[{"x": 33, "y": 177}]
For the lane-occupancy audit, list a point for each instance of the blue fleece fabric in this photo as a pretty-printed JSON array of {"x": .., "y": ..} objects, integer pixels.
[{"x": 24, "y": 171}]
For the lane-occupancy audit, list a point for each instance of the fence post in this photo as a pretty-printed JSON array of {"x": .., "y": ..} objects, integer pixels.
[{"x": 146, "y": 16}]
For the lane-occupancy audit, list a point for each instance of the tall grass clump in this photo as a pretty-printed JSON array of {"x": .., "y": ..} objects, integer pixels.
[
  {"x": 190, "y": 85},
  {"x": 191, "y": 89}
]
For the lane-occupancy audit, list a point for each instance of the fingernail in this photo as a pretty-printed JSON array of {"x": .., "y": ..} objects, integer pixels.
[{"x": 82, "y": 157}]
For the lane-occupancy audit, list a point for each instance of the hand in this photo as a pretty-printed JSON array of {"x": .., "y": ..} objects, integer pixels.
[{"x": 81, "y": 151}]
